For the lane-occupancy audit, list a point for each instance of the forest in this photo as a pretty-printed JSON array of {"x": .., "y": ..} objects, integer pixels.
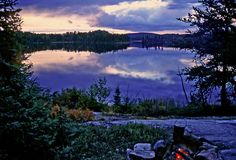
[{"x": 83, "y": 37}]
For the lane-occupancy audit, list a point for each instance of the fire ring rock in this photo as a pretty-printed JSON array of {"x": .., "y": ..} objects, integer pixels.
[{"x": 141, "y": 151}]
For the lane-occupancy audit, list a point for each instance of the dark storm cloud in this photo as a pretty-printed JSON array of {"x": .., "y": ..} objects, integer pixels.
[
  {"x": 60, "y": 3},
  {"x": 82, "y": 7}
]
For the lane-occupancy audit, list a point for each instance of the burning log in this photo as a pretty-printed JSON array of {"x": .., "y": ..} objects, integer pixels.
[
  {"x": 183, "y": 147},
  {"x": 178, "y": 134},
  {"x": 182, "y": 154}
]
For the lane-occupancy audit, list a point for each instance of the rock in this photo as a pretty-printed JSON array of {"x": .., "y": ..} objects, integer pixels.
[
  {"x": 140, "y": 155},
  {"x": 159, "y": 144},
  {"x": 160, "y": 149},
  {"x": 202, "y": 139},
  {"x": 206, "y": 146},
  {"x": 229, "y": 153},
  {"x": 191, "y": 142},
  {"x": 209, "y": 154},
  {"x": 128, "y": 152},
  {"x": 142, "y": 147},
  {"x": 141, "y": 151}
]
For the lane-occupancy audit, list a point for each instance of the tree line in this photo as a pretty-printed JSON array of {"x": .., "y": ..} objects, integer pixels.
[
  {"x": 98, "y": 36},
  {"x": 76, "y": 47}
]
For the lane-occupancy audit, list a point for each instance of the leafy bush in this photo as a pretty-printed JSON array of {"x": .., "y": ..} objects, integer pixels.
[
  {"x": 192, "y": 110},
  {"x": 147, "y": 107},
  {"x": 80, "y": 114},
  {"x": 72, "y": 98},
  {"x": 94, "y": 98},
  {"x": 99, "y": 91},
  {"x": 100, "y": 143}
]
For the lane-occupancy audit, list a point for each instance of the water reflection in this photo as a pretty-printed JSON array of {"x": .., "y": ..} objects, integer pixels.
[
  {"x": 77, "y": 47},
  {"x": 139, "y": 72}
]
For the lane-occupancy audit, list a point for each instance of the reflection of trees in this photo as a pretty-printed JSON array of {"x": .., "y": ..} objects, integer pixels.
[
  {"x": 147, "y": 46},
  {"x": 76, "y": 47}
]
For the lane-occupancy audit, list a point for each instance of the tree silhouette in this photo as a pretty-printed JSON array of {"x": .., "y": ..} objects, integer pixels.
[
  {"x": 215, "y": 68},
  {"x": 117, "y": 97},
  {"x": 23, "y": 109}
]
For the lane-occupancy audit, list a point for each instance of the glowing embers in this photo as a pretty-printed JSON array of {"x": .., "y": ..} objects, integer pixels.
[{"x": 182, "y": 154}]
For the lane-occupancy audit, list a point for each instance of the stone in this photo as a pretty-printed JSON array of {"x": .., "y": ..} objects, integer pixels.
[
  {"x": 191, "y": 142},
  {"x": 209, "y": 154},
  {"x": 160, "y": 148},
  {"x": 159, "y": 144},
  {"x": 142, "y": 147},
  {"x": 128, "y": 152},
  {"x": 206, "y": 146},
  {"x": 228, "y": 153},
  {"x": 140, "y": 155}
]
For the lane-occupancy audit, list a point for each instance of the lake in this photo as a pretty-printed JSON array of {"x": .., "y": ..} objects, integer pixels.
[{"x": 139, "y": 72}]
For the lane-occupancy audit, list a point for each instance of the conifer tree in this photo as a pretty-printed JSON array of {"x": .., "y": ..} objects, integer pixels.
[{"x": 215, "y": 65}]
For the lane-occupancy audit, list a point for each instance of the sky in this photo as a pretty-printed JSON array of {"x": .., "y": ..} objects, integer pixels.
[{"x": 115, "y": 16}]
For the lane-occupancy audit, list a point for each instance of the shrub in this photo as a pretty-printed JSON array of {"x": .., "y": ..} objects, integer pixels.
[
  {"x": 72, "y": 98},
  {"x": 55, "y": 110},
  {"x": 99, "y": 91},
  {"x": 95, "y": 98},
  {"x": 80, "y": 114},
  {"x": 101, "y": 143}
]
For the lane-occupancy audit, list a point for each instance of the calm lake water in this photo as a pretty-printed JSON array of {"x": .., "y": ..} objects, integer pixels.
[{"x": 139, "y": 72}]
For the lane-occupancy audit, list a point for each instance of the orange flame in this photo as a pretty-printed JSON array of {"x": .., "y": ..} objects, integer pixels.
[{"x": 178, "y": 156}]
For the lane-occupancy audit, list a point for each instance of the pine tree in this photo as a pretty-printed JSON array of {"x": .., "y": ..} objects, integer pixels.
[
  {"x": 24, "y": 114},
  {"x": 27, "y": 128},
  {"x": 13, "y": 75},
  {"x": 215, "y": 35},
  {"x": 117, "y": 97}
]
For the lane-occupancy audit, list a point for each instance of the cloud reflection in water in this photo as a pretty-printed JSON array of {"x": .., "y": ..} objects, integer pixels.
[{"x": 150, "y": 72}]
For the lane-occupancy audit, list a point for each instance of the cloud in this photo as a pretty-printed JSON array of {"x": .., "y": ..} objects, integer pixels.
[
  {"x": 181, "y": 4},
  {"x": 82, "y": 7},
  {"x": 123, "y": 7},
  {"x": 125, "y": 15},
  {"x": 126, "y": 72},
  {"x": 149, "y": 15}
]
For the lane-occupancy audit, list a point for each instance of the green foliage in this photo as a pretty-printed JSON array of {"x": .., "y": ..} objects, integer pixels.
[
  {"x": 86, "y": 38},
  {"x": 111, "y": 143},
  {"x": 99, "y": 91},
  {"x": 156, "y": 107},
  {"x": 192, "y": 110},
  {"x": 75, "y": 98},
  {"x": 72, "y": 98},
  {"x": 95, "y": 98},
  {"x": 169, "y": 107},
  {"x": 27, "y": 129},
  {"x": 117, "y": 97}
]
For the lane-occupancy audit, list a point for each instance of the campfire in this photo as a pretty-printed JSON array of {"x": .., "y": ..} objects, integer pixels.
[
  {"x": 182, "y": 147},
  {"x": 182, "y": 154}
]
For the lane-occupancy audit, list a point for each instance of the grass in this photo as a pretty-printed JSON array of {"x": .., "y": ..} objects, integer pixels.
[{"x": 101, "y": 143}]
